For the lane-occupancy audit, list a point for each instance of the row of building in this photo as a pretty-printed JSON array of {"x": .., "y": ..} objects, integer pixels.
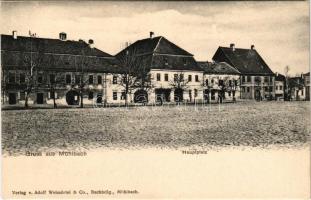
[{"x": 152, "y": 70}]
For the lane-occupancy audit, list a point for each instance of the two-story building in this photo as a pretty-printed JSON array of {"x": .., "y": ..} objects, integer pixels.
[
  {"x": 221, "y": 81},
  {"x": 297, "y": 89},
  {"x": 174, "y": 73},
  {"x": 280, "y": 86},
  {"x": 54, "y": 71},
  {"x": 257, "y": 79}
]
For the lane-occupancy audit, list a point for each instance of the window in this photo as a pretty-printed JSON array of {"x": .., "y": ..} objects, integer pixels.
[
  {"x": 247, "y": 88},
  {"x": 206, "y": 82},
  {"x": 257, "y": 79},
  {"x": 22, "y": 78},
  {"x": 123, "y": 96},
  {"x": 91, "y": 95},
  {"x": 195, "y": 92},
  {"x": 243, "y": 79},
  {"x": 158, "y": 77},
  {"x": 90, "y": 79},
  {"x": 52, "y": 95},
  {"x": 175, "y": 77},
  {"x": 99, "y": 79},
  {"x": 68, "y": 78},
  {"x": 276, "y": 87},
  {"x": 266, "y": 89},
  {"x": 11, "y": 77},
  {"x": 196, "y": 78},
  {"x": 266, "y": 79},
  {"x": 243, "y": 89},
  {"x": 40, "y": 78},
  {"x": 184, "y": 61},
  {"x": 166, "y": 77},
  {"x": 235, "y": 83},
  {"x": 248, "y": 78},
  {"x": 165, "y": 61},
  {"x": 189, "y": 78},
  {"x": 301, "y": 92},
  {"x": 230, "y": 83},
  {"x": 52, "y": 78},
  {"x": 114, "y": 79},
  {"x": 78, "y": 79},
  {"x": 212, "y": 81},
  {"x": 22, "y": 96},
  {"x": 220, "y": 82},
  {"x": 115, "y": 96},
  {"x": 181, "y": 77},
  {"x": 281, "y": 87}
]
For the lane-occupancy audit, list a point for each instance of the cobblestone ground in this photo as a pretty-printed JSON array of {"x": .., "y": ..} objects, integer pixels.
[{"x": 242, "y": 124}]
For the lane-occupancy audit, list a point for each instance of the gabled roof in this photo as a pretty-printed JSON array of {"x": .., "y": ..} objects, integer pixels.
[
  {"x": 55, "y": 55},
  {"x": 247, "y": 61},
  {"x": 8, "y": 43},
  {"x": 218, "y": 68},
  {"x": 156, "y": 45},
  {"x": 280, "y": 77},
  {"x": 296, "y": 82},
  {"x": 160, "y": 53}
]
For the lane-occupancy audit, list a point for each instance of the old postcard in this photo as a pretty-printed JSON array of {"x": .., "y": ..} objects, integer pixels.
[{"x": 155, "y": 99}]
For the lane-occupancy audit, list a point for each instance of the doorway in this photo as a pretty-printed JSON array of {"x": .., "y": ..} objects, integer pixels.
[
  {"x": 12, "y": 98},
  {"x": 39, "y": 98}
]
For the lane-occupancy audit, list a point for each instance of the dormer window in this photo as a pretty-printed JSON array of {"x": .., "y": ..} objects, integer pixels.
[
  {"x": 165, "y": 61},
  {"x": 184, "y": 61}
]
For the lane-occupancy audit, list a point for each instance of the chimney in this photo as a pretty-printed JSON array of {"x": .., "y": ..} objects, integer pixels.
[
  {"x": 232, "y": 46},
  {"x": 14, "y": 34},
  {"x": 91, "y": 43},
  {"x": 276, "y": 73},
  {"x": 63, "y": 36},
  {"x": 151, "y": 34},
  {"x": 252, "y": 47}
]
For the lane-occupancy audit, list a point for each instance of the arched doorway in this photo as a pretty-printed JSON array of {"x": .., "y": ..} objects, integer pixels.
[
  {"x": 72, "y": 97},
  {"x": 178, "y": 95},
  {"x": 140, "y": 96}
]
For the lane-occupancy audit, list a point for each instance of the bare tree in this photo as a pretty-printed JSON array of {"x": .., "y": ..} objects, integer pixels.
[
  {"x": 55, "y": 81},
  {"x": 135, "y": 74},
  {"x": 286, "y": 71},
  {"x": 33, "y": 61},
  {"x": 179, "y": 83}
]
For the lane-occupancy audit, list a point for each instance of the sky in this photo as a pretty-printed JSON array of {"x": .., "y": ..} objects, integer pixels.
[{"x": 279, "y": 30}]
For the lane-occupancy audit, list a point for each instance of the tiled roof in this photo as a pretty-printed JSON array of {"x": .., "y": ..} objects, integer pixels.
[
  {"x": 218, "y": 68},
  {"x": 160, "y": 53},
  {"x": 47, "y": 45},
  {"x": 280, "y": 77},
  {"x": 296, "y": 82},
  {"x": 247, "y": 61},
  {"x": 56, "y": 55}
]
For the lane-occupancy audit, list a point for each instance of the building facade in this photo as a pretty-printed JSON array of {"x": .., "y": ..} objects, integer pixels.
[
  {"x": 221, "y": 81},
  {"x": 54, "y": 71},
  {"x": 257, "y": 79},
  {"x": 280, "y": 86},
  {"x": 174, "y": 74}
]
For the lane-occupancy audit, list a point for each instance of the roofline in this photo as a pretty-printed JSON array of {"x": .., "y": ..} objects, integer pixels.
[
  {"x": 48, "y": 53},
  {"x": 163, "y": 54},
  {"x": 181, "y": 70}
]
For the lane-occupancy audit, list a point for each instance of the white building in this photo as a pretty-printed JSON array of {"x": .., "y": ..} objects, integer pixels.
[{"x": 174, "y": 73}]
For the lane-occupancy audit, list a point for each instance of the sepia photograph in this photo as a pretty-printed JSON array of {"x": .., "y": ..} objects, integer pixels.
[{"x": 155, "y": 99}]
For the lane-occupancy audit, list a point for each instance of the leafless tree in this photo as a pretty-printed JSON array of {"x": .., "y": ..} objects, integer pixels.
[
  {"x": 179, "y": 83},
  {"x": 135, "y": 73},
  {"x": 33, "y": 61}
]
